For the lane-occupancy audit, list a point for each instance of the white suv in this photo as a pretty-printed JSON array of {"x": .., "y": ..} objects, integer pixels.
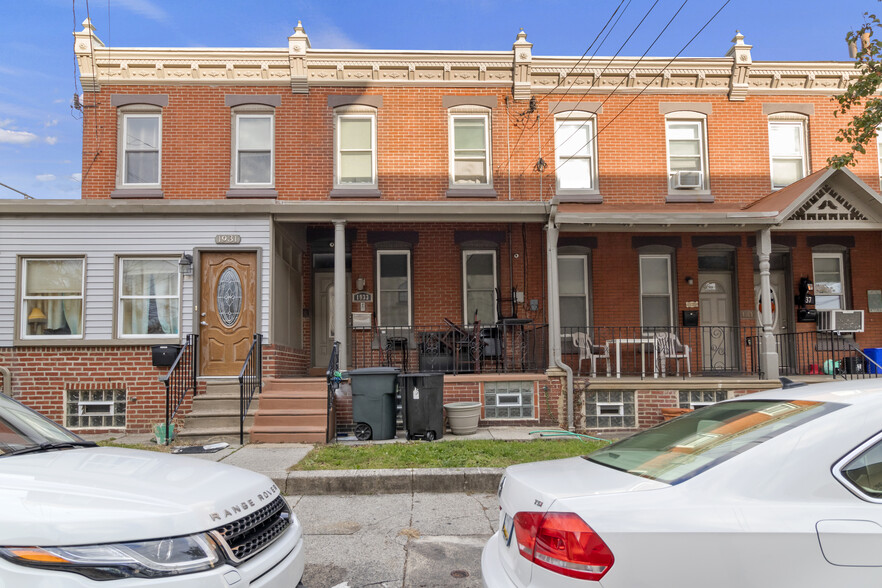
[{"x": 75, "y": 515}]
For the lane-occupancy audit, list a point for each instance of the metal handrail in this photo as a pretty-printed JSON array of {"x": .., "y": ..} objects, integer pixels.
[
  {"x": 180, "y": 379},
  {"x": 250, "y": 380},
  {"x": 333, "y": 375}
]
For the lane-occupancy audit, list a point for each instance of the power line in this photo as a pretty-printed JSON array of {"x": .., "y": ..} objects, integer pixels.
[
  {"x": 661, "y": 71},
  {"x": 28, "y": 196}
]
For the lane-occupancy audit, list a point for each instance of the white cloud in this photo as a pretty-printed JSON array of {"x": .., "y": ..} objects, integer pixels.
[
  {"x": 46, "y": 177},
  {"x": 77, "y": 177},
  {"x": 52, "y": 140},
  {"x": 332, "y": 37},
  {"x": 144, "y": 8},
  {"x": 50, "y": 123},
  {"x": 16, "y": 137},
  {"x": 5, "y": 122}
]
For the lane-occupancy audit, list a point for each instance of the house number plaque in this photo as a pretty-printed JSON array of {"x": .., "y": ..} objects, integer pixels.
[{"x": 227, "y": 239}]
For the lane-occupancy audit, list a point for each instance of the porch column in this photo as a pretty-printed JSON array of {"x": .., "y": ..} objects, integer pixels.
[
  {"x": 768, "y": 350},
  {"x": 340, "y": 289}
]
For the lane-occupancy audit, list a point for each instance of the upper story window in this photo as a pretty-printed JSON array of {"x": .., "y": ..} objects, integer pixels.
[
  {"x": 355, "y": 139},
  {"x": 52, "y": 298},
  {"x": 149, "y": 297},
  {"x": 787, "y": 148},
  {"x": 393, "y": 288},
  {"x": 142, "y": 149},
  {"x": 469, "y": 147},
  {"x": 656, "y": 293},
  {"x": 253, "y": 159},
  {"x": 829, "y": 281},
  {"x": 686, "y": 139},
  {"x": 479, "y": 286},
  {"x": 575, "y": 152}
]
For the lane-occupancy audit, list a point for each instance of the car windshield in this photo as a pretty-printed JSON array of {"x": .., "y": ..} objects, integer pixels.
[
  {"x": 680, "y": 449},
  {"x": 23, "y": 430}
]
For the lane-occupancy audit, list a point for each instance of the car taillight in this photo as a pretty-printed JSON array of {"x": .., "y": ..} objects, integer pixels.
[{"x": 562, "y": 542}]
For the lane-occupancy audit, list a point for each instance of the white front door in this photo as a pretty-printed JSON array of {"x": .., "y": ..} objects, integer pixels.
[
  {"x": 719, "y": 350},
  {"x": 782, "y": 315}
]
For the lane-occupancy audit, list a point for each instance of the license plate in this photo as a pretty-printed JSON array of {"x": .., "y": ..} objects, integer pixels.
[{"x": 507, "y": 529}]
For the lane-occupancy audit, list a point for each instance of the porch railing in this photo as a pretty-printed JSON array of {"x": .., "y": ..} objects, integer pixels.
[
  {"x": 647, "y": 352},
  {"x": 507, "y": 347},
  {"x": 180, "y": 379},
  {"x": 250, "y": 381},
  {"x": 823, "y": 353},
  {"x": 333, "y": 376}
]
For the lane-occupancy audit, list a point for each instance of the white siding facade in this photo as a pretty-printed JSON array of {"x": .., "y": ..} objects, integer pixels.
[{"x": 102, "y": 238}]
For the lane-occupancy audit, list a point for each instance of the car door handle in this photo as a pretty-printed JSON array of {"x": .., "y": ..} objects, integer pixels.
[{"x": 203, "y": 323}]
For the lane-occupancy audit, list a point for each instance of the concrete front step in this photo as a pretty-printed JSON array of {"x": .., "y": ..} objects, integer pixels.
[
  {"x": 213, "y": 435},
  {"x": 211, "y": 420},
  {"x": 282, "y": 417},
  {"x": 288, "y": 434},
  {"x": 294, "y": 400}
]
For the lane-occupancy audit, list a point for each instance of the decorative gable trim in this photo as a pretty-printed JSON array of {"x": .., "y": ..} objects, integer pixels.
[{"x": 827, "y": 205}]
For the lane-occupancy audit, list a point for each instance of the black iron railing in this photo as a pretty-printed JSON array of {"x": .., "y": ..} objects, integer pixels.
[
  {"x": 250, "y": 381},
  {"x": 513, "y": 346},
  {"x": 180, "y": 379},
  {"x": 823, "y": 353},
  {"x": 661, "y": 351},
  {"x": 333, "y": 375}
]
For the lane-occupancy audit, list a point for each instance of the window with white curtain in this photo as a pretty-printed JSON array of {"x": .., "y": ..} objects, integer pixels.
[
  {"x": 253, "y": 160},
  {"x": 829, "y": 281},
  {"x": 142, "y": 142},
  {"x": 469, "y": 150},
  {"x": 575, "y": 152},
  {"x": 356, "y": 153},
  {"x": 479, "y": 286},
  {"x": 52, "y": 298},
  {"x": 149, "y": 297},
  {"x": 393, "y": 288},
  {"x": 787, "y": 149},
  {"x": 573, "y": 284},
  {"x": 656, "y": 299}
]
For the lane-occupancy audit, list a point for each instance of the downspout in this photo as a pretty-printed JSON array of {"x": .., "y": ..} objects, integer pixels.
[{"x": 554, "y": 350}]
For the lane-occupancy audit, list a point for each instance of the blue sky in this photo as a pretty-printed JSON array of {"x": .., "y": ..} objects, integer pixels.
[{"x": 40, "y": 138}]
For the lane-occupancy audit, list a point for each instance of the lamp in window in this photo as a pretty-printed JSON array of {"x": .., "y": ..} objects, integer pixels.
[
  {"x": 185, "y": 265},
  {"x": 37, "y": 316}
]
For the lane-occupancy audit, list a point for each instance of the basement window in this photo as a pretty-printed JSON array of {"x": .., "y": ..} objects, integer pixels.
[
  {"x": 95, "y": 409},
  {"x": 611, "y": 409},
  {"x": 508, "y": 400}
]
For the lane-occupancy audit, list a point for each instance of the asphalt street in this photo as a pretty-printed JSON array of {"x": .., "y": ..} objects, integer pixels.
[{"x": 412, "y": 540}]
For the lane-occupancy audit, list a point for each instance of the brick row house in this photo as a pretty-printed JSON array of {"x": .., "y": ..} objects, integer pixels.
[{"x": 575, "y": 243}]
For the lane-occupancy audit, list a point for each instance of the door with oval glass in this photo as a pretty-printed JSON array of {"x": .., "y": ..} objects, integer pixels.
[{"x": 227, "y": 310}]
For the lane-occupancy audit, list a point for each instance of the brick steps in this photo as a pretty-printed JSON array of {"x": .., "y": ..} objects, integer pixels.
[{"x": 292, "y": 410}]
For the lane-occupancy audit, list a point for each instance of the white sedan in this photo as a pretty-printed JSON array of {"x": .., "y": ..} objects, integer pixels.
[{"x": 775, "y": 489}]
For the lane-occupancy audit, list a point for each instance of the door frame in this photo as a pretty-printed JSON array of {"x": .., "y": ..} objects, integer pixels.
[
  {"x": 313, "y": 316},
  {"x": 196, "y": 280}
]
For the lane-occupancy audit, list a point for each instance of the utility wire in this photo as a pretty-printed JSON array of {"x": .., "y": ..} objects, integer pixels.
[
  {"x": 27, "y": 196},
  {"x": 660, "y": 72}
]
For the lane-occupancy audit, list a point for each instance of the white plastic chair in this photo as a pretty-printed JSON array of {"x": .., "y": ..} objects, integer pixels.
[
  {"x": 668, "y": 346},
  {"x": 588, "y": 350}
]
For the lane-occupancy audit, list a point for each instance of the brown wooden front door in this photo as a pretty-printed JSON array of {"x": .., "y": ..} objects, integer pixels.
[{"x": 228, "y": 311}]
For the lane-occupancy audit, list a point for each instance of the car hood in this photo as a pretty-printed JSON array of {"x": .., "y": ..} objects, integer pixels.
[
  {"x": 106, "y": 494},
  {"x": 530, "y": 485}
]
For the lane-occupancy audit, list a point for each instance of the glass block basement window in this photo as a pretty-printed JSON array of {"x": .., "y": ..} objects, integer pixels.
[
  {"x": 610, "y": 409},
  {"x": 700, "y": 398},
  {"x": 96, "y": 408},
  {"x": 508, "y": 400}
]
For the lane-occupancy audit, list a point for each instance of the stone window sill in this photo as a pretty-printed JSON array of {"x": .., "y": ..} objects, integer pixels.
[
  {"x": 355, "y": 193},
  {"x": 252, "y": 193},
  {"x": 487, "y": 192},
  {"x": 137, "y": 193}
]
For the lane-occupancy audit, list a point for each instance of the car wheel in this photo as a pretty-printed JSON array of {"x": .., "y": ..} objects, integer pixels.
[
  {"x": 430, "y": 435},
  {"x": 363, "y": 432}
]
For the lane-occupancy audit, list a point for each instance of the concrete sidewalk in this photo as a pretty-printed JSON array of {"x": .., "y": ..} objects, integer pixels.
[{"x": 274, "y": 461}]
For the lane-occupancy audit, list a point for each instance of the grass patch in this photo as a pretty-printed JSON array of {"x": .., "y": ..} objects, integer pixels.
[
  {"x": 444, "y": 454},
  {"x": 146, "y": 446}
]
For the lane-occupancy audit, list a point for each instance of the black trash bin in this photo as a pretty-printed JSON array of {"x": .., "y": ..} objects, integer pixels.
[
  {"x": 423, "y": 405},
  {"x": 373, "y": 402}
]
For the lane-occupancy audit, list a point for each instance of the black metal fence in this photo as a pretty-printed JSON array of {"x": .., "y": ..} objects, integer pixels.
[
  {"x": 823, "y": 353},
  {"x": 508, "y": 347},
  {"x": 661, "y": 351},
  {"x": 250, "y": 381},
  {"x": 180, "y": 379}
]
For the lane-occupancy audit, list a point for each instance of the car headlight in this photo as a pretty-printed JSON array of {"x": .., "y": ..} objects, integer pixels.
[{"x": 138, "y": 559}]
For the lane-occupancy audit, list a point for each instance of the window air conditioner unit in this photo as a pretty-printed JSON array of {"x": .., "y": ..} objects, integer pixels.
[
  {"x": 687, "y": 180},
  {"x": 842, "y": 321}
]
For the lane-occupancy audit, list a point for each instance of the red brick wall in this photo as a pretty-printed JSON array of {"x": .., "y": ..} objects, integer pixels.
[
  {"x": 280, "y": 361},
  {"x": 412, "y": 144}
]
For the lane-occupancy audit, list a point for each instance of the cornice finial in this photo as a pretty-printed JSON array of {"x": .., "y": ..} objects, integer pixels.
[{"x": 299, "y": 41}]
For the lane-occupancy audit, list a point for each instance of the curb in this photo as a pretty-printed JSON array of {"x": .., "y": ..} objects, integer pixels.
[{"x": 406, "y": 481}]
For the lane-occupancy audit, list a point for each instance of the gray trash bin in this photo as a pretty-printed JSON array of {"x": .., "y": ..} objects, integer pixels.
[
  {"x": 373, "y": 402},
  {"x": 423, "y": 405}
]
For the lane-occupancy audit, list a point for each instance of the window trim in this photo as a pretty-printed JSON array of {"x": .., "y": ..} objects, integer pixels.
[
  {"x": 586, "y": 117},
  {"x": 587, "y": 285},
  {"x": 379, "y": 305},
  {"x": 695, "y": 118},
  {"x": 669, "y": 295},
  {"x": 123, "y": 165},
  {"x": 843, "y": 298},
  {"x": 22, "y": 314},
  {"x": 789, "y": 119},
  {"x": 256, "y": 113},
  {"x": 480, "y": 113},
  {"x": 120, "y": 298},
  {"x": 848, "y": 458},
  {"x": 343, "y": 113},
  {"x": 467, "y": 319}
]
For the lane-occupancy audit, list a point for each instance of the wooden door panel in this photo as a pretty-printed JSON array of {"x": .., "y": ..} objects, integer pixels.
[{"x": 229, "y": 317}]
